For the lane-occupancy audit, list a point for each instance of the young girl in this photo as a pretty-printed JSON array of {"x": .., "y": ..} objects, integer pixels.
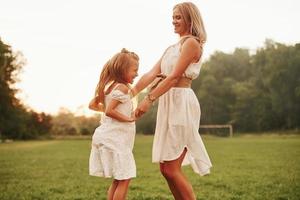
[{"x": 112, "y": 142}]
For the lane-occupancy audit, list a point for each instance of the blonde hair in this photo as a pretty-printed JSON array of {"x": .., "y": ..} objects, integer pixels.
[
  {"x": 114, "y": 71},
  {"x": 191, "y": 15}
]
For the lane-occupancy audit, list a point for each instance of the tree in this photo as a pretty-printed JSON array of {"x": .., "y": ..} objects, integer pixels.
[
  {"x": 215, "y": 86},
  {"x": 279, "y": 68},
  {"x": 16, "y": 121},
  {"x": 258, "y": 92},
  {"x": 10, "y": 65}
]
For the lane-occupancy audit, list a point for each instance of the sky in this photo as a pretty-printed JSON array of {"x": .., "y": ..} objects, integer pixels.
[{"x": 66, "y": 42}]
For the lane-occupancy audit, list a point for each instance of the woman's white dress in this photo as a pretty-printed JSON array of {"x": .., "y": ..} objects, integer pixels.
[
  {"x": 113, "y": 141},
  {"x": 178, "y": 119}
]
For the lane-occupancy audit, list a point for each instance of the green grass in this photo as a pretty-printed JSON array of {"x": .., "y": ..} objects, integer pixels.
[{"x": 246, "y": 168}]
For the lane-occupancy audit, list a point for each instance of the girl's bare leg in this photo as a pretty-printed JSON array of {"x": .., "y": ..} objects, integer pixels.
[
  {"x": 121, "y": 190},
  {"x": 178, "y": 183},
  {"x": 112, "y": 189}
]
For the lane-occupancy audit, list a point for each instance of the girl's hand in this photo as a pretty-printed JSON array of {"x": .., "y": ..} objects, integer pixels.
[
  {"x": 93, "y": 105},
  {"x": 142, "y": 108},
  {"x": 132, "y": 118}
]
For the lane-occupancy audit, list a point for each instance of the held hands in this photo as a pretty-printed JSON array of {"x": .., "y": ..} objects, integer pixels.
[
  {"x": 142, "y": 108},
  {"x": 132, "y": 118}
]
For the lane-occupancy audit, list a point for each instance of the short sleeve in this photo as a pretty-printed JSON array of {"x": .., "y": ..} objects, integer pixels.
[{"x": 119, "y": 96}]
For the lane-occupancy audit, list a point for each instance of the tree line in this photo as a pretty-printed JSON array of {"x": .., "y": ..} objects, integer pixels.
[{"x": 258, "y": 91}]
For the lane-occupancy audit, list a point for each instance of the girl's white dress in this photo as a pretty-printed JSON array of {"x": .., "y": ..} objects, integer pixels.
[
  {"x": 178, "y": 119},
  {"x": 112, "y": 143}
]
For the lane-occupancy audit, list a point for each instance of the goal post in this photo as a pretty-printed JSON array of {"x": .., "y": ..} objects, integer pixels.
[{"x": 215, "y": 126}]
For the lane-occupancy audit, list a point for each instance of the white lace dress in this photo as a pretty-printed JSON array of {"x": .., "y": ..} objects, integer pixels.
[
  {"x": 112, "y": 143},
  {"x": 178, "y": 119}
]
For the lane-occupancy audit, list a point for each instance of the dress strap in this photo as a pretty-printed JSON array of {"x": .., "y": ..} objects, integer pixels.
[
  {"x": 184, "y": 38},
  {"x": 115, "y": 87},
  {"x": 110, "y": 90}
]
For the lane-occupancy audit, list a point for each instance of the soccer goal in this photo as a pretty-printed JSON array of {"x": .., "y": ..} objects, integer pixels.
[{"x": 218, "y": 126}]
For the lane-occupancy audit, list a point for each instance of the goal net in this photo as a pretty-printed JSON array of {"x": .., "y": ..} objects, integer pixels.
[{"x": 225, "y": 130}]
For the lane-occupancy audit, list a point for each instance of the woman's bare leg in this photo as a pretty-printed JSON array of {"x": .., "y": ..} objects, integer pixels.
[
  {"x": 178, "y": 183},
  {"x": 112, "y": 189},
  {"x": 121, "y": 190},
  {"x": 175, "y": 193}
]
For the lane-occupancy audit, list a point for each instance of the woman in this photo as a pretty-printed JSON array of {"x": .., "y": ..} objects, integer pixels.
[{"x": 176, "y": 139}]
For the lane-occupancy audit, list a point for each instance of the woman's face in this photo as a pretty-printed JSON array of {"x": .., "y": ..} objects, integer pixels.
[
  {"x": 180, "y": 27},
  {"x": 132, "y": 71}
]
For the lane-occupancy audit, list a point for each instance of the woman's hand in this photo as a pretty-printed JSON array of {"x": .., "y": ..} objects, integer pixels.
[{"x": 142, "y": 108}]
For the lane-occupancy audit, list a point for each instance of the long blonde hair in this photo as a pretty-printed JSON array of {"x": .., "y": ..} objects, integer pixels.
[
  {"x": 191, "y": 15},
  {"x": 114, "y": 71}
]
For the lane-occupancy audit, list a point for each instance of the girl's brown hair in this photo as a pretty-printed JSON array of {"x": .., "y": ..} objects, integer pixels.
[{"x": 114, "y": 71}]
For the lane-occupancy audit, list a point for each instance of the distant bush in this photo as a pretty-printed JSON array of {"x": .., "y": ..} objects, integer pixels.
[{"x": 66, "y": 123}]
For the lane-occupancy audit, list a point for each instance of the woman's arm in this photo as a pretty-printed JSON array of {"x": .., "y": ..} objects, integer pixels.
[
  {"x": 190, "y": 53},
  {"x": 146, "y": 79}
]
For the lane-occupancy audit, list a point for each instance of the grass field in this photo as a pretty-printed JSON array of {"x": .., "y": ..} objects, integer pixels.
[{"x": 252, "y": 167}]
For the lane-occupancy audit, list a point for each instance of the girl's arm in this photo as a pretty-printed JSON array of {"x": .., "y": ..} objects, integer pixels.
[
  {"x": 111, "y": 111},
  {"x": 96, "y": 106},
  {"x": 190, "y": 52},
  {"x": 146, "y": 79}
]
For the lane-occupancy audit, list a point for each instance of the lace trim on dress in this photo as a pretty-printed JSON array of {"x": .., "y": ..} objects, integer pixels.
[{"x": 119, "y": 96}]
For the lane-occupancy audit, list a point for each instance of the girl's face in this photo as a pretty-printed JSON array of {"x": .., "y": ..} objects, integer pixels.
[
  {"x": 180, "y": 27},
  {"x": 132, "y": 71}
]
